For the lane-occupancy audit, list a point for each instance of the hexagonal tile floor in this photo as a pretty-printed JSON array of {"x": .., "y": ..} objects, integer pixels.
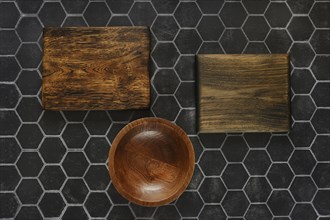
[{"x": 53, "y": 164}]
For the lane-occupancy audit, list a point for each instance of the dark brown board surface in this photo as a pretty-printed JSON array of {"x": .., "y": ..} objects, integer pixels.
[
  {"x": 243, "y": 93},
  {"x": 98, "y": 68}
]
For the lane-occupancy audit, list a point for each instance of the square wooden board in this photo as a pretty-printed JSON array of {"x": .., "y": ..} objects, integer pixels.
[
  {"x": 243, "y": 93},
  {"x": 95, "y": 68}
]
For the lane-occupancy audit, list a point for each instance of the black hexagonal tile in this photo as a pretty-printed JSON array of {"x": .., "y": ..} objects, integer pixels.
[
  {"x": 257, "y": 140},
  {"x": 9, "y": 177},
  {"x": 321, "y": 94},
  {"x": 320, "y": 148},
  {"x": 74, "y": 21},
  {"x": 258, "y": 211},
  {"x": 321, "y": 202},
  {"x": 280, "y": 175},
  {"x": 165, "y": 28},
  {"x": 300, "y": 28},
  {"x": 29, "y": 191},
  {"x": 75, "y": 116},
  {"x": 189, "y": 204},
  {"x": 165, "y": 6},
  {"x": 121, "y": 115},
  {"x": 233, "y": 41},
  {"x": 52, "y": 177},
  {"x": 29, "y": 164},
  {"x": 10, "y": 42},
  {"x": 212, "y": 163},
  {"x": 302, "y": 81},
  {"x": 28, "y": 82},
  {"x": 52, "y": 204},
  {"x": 97, "y": 14},
  {"x": 280, "y": 202},
  {"x": 319, "y": 14},
  {"x": 30, "y": 7},
  {"x": 211, "y": 140},
  {"x": 187, "y": 120},
  {"x": 165, "y": 54},
  {"x": 29, "y": 109},
  {"x": 233, "y": 8},
  {"x": 301, "y": 54},
  {"x": 302, "y": 162},
  {"x": 279, "y": 148},
  {"x": 52, "y": 14},
  {"x": 10, "y": 95},
  {"x": 9, "y": 69},
  {"x": 75, "y": 135},
  {"x": 212, "y": 212},
  {"x": 256, "y": 28},
  {"x": 29, "y": 136},
  {"x": 9, "y": 15},
  {"x": 29, "y": 213},
  {"x": 9, "y": 150},
  {"x": 235, "y": 203},
  {"x": 166, "y": 107},
  {"x": 115, "y": 128},
  {"x": 196, "y": 179},
  {"x": 302, "y": 107},
  {"x": 52, "y": 150},
  {"x": 185, "y": 94},
  {"x": 210, "y": 28},
  {"x": 234, "y": 176},
  {"x": 255, "y": 6},
  {"x": 8, "y": 204},
  {"x": 212, "y": 190},
  {"x": 320, "y": 67},
  {"x": 97, "y": 177},
  {"x": 142, "y": 211},
  {"x": 302, "y": 134},
  {"x": 185, "y": 67},
  {"x": 257, "y": 162},
  {"x": 320, "y": 41},
  {"x": 321, "y": 121},
  {"x": 97, "y": 122},
  {"x": 234, "y": 148},
  {"x": 300, "y": 6},
  {"x": 120, "y": 21},
  {"x": 142, "y": 14},
  {"x": 115, "y": 196},
  {"x": 188, "y": 41},
  {"x": 187, "y": 14},
  {"x": 278, "y": 14},
  {"x": 97, "y": 204},
  {"x": 210, "y": 6},
  {"x": 75, "y": 164},
  {"x": 97, "y": 149},
  {"x": 120, "y": 7},
  {"x": 303, "y": 212},
  {"x": 9, "y": 122},
  {"x": 210, "y": 48},
  {"x": 278, "y": 41},
  {"x": 75, "y": 212},
  {"x": 121, "y": 212},
  {"x": 321, "y": 175},
  {"x": 257, "y": 189},
  {"x": 256, "y": 47},
  {"x": 166, "y": 81},
  {"x": 29, "y": 29},
  {"x": 75, "y": 191},
  {"x": 29, "y": 55},
  {"x": 75, "y": 6},
  {"x": 303, "y": 189}
]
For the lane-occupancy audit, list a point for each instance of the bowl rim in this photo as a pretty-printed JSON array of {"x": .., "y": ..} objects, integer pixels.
[{"x": 187, "y": 178}]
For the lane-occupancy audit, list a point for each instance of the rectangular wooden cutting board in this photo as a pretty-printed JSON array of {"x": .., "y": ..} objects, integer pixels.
[
  {"x": 95, "y": 68},
  {"x": 243, "y": 93}
]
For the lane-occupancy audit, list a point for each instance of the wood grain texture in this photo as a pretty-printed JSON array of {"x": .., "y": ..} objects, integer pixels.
[
  {"x": 151, "y": 161},
  {"x": 243, "y": 93},
  {"x": 95, "y": 68}
]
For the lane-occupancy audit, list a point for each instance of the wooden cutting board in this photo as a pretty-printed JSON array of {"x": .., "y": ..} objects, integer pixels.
[
  {"x": 243, "y": 93},
  {"x": 95, "y": 68}
]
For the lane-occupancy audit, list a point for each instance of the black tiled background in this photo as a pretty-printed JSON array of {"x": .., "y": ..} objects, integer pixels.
[{"x": 53, "y": 164}]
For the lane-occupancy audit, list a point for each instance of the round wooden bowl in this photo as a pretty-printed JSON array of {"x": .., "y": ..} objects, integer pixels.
[{"x": 151, "y": 161}]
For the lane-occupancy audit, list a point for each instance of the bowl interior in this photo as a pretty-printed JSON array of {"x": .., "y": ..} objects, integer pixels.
[{"x": 151, "y": 162}]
